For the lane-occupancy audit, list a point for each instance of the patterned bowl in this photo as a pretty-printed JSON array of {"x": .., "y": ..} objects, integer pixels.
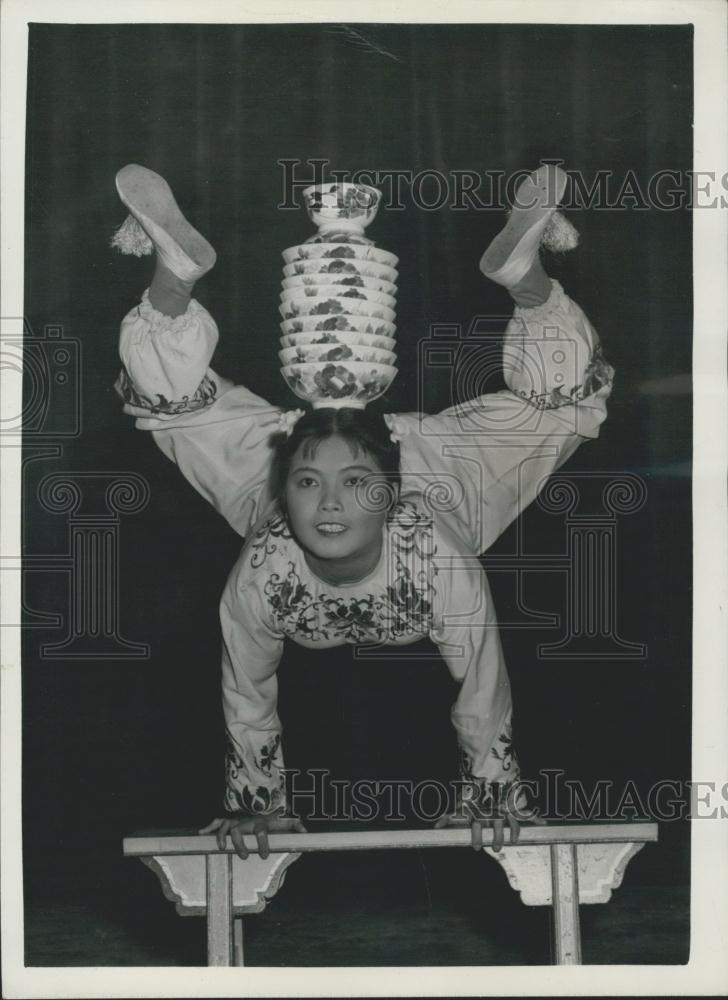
[
  {"x": 339, "y": 322},
  {"x": 337, "y": 291},
  {"x": 307, "y": 353},
  {"x": 334, "y": 304},
  {"x": 341, "y": 251},
  {"x": 341, "y": 206},
  {"x": 338, "y": 337},
  {"x": 335, "y": 265},
  {"x": 347, "y": 383},
  {"x": 341, "y": 235},
  {"x": 347, "y": 280}
]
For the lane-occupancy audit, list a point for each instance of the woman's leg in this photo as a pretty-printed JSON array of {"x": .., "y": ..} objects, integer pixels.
[
  {"x": 182, "y": 254},
  {"x": 512, "y": 259}
]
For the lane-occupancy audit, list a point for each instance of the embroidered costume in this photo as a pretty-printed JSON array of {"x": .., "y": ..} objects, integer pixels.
[{"x": 466, "y": 474}]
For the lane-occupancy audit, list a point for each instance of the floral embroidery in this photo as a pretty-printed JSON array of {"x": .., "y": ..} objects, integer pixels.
[
  {"x": 269, "y": 754},
  {"x": 598, "y": 374},
  {"x": 266, "y": 539},
  {"x": 204, "y": 395},
  {"x": 253, "y": 800},
  {"x": 506, "y": 753},
  {"x": 404, "y": 608}
]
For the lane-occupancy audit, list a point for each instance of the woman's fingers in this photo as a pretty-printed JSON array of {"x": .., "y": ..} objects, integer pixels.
[
  {"x": 497, "y": 835},
  {"x": 261, "y": 835},
  {"x": 299, "y": 827},
  {"x": 238, "y": 839},
  {"x": 451, "y": 819},
  {"x": 515, "y": 828},
  {"x": 222, "y": 832},
  {"x": 211, "y": 827},
  {"x": 476, "y": 835}
]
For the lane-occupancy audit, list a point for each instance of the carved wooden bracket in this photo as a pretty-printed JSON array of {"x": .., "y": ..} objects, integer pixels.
[
  {"x": 600, "y": 868},
  {"x": 254, "y": 882}
]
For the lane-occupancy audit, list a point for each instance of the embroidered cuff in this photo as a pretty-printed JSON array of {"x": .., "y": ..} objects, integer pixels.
[
  {"x": 204, "y": 395},
  {"x": 243, "y": 793},
  {"x": 598, "y": 373}
]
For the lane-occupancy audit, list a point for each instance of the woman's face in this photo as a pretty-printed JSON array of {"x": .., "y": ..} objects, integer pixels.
[{"x": 330, "y": 507}]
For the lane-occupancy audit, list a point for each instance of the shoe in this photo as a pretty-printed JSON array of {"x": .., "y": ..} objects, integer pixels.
[
  {"x": 149, "y": 199},
  {"x": 511, "y": 254}
]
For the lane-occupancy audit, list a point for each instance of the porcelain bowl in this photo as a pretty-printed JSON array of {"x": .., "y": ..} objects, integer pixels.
[
  {"x": 334, "y": 305},
  {"x": 347, "y": 206},
  {"x": 341, "y": 384},
  {"x": 338, "y": 337},
  {"x": 307, "y": 353},
  {"x": 340, "y": 251},
  {"x": 345, "y": 280},
  {"x": 339, "y": 323},
  {"x": 338, "y": 266},
  {"x": 338, "y": 291}
]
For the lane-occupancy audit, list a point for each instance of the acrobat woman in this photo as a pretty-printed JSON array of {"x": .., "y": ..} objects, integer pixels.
[{"x": 342, "y": 544}]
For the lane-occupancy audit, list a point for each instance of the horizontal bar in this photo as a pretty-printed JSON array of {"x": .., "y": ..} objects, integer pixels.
[{"x": 369, "y": 840}]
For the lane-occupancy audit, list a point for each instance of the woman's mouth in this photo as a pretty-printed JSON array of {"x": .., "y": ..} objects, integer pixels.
[{"x": 331, "y": 528}]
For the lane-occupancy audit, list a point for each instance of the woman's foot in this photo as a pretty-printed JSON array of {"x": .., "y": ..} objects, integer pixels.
[
  {"x": 512, "y": 257},
  {"x": 183, "y": 251}
]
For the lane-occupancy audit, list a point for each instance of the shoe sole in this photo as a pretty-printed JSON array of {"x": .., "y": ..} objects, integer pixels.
[
  {"x": 536, "y": 200},
  {"x": 146, "y": 194}
]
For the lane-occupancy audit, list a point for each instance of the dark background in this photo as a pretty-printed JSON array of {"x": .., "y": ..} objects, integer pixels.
[{"x": 114, "y": 746}]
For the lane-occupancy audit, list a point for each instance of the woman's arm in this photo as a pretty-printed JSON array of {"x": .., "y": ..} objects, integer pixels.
[
  {"x": 466, "y": 632},
  {"x": 217, "y": 433},
  {"x": 251, "y": 654}
]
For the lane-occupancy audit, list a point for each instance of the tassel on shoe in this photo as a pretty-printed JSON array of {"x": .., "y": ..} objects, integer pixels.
[
  {"x": 560, "y": 235},
  {"x": 149, "y": 199},
  {"x": 130, "y": 238}
]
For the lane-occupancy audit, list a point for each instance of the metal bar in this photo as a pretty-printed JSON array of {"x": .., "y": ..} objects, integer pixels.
[
  {"x": 565, "y": 890},
  {"x": 219, "y": 910},
  {"x": 587, "y": 833}
]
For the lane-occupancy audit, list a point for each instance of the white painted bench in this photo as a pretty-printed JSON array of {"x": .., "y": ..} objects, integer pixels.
[{"x": 559, "y": 866}]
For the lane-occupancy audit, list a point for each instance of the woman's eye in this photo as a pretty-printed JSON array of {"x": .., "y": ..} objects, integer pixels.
[
  {"x": 307, "y": 481},
  {"x": 353, "y": 480}
]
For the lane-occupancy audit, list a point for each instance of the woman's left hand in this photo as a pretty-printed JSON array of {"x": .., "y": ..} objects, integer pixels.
[
  {"x": 476, "y": 828},
  {"x": 466, "y": 816}
]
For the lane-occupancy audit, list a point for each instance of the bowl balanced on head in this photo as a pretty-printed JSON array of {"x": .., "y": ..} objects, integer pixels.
[{"x": 338, "y": 303}]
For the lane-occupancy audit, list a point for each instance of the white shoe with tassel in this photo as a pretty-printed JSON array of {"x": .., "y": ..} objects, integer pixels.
[
  {"x": 156, "y": 222},
  {"x": 533, "y": 220}
]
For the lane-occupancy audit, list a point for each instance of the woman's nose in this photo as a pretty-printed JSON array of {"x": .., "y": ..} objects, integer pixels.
[{"x": 330, "y": 501}]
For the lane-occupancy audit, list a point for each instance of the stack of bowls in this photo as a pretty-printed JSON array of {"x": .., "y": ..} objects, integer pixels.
[{"x": 338, "y": 303}]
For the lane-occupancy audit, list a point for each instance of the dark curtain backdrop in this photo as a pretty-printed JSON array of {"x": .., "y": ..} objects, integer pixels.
[{"x": 113, "y": 746}]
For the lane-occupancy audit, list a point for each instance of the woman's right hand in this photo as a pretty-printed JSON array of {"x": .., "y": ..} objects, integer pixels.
[{"x": 260, "y": 826}]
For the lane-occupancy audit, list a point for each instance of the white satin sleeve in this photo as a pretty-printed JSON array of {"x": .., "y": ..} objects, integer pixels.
[
  {"x": 479, "y": 464},
  {"x": 465, "y": 629},
  {"x": 252, "y": 650}
]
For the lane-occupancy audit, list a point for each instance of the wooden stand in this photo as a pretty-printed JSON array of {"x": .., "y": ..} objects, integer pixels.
[{"x": 558, "y": 866}]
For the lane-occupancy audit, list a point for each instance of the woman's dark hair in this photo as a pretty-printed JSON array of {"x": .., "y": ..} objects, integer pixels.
[{"x": 363, "y": 430}]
